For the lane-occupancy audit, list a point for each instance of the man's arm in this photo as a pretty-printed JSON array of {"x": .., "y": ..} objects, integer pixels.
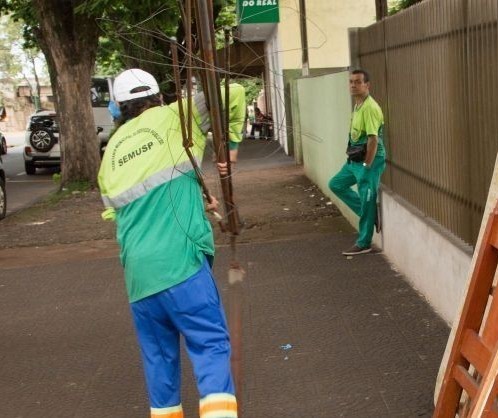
[
  {"x": 371, "y": 149},
  {"x": 237, "y": 109}
]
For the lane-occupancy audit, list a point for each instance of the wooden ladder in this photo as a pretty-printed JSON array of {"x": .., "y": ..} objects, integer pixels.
[{"x": 476, "y": 339}]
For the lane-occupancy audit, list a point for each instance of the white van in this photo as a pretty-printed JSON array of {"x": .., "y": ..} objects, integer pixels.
[
  {"x": 101, "y": 95},
  {"x": 42, "y": 132}
]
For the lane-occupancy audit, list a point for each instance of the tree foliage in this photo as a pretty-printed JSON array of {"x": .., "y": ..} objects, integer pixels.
[
  {"x": 252, "y": 86},
  {"x": 73, "y": 33},
  {"x": 401, "y": 5}
]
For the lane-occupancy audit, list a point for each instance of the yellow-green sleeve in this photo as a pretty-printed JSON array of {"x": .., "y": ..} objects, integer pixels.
[
  {"x": 237, "y": 112},
  {"x": 237, "y": 109},
  {"x": 109, "y": 214},
  {"x": 373, "y": 121}
]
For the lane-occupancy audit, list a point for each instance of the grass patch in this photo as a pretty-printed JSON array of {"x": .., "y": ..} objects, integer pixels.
[{"x": 69, "y": 190}]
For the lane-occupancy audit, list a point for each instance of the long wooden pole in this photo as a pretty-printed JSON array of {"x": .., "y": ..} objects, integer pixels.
[
  {"x": 220, "y": 128},
  {"x": 213, "y": 91}
]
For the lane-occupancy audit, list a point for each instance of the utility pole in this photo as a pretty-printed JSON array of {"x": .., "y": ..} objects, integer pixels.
[
  {"x": 381, "y": 9},
  {"x": 304, "y": 38}
]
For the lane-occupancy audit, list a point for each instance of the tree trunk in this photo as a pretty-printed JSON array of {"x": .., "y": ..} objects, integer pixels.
[{"x": 70, "y": 42}]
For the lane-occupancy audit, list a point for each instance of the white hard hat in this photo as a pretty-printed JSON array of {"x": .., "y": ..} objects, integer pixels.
[{"x": 134, "y": 84}]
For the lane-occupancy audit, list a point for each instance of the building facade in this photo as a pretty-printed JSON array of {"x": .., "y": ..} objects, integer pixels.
[{"x": 301, "y": 38}]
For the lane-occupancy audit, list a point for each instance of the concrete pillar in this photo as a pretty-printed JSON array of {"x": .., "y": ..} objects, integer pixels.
[{"x": 354, "y": 47}]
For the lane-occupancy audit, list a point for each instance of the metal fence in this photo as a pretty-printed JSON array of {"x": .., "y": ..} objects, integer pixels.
[{"x": 434, "y": 72}]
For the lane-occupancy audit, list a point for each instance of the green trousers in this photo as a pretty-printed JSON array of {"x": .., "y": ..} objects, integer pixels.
[{"x": 363, "y": 203}]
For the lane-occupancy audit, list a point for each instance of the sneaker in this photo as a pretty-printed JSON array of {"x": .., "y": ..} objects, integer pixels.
[{"x": 355, "y": 250}]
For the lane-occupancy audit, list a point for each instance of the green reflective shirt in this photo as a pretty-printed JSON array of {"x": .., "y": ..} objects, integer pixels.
[{"x": 367, "y": 119}]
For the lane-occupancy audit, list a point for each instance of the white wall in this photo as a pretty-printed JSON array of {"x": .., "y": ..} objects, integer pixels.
[
  {"x": 327, "y": 28},
  {"x": 324, "y": 114},
  {"x": 431, "y": 260},
  {"x": 328, "y": 23},
  {"x": 290, "y": 35},
  {"x": 275, "y": 80}
]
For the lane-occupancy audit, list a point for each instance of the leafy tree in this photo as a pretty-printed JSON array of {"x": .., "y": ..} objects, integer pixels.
[
  {"x": 253, "y": 86},
  {"x": 68, "y": 36},
  {"x": 70, "y": 33},
  {"x": 10, "y": 63},
  {"x": 17, "y": 60},
  {"x": 399, "y": 5},
  {"x": 127, "y": 45}
]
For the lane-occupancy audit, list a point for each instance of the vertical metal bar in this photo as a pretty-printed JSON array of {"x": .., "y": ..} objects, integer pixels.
[
  {"x": 215, "y": 106},
  {"x": 477, "y": 29},
  {"x": 466, "y": 116},
  {"x": 181, "y": 113},
  {"x": 227, "y": 107},
  {"x": 441, "y": 201},
  {"x": 227, "y": 93},
  {"x": 431, "y": 97},
  {"x": 304, "y": 39},
  {"x": 387, "y": 117},
  {"x": 188, "y": 34},
  {"x": 178, "y": 89},
  {"x": 412, "y": 185},
  {"x": 201, "y": 61},
  {"x": 487, "y": 81}
]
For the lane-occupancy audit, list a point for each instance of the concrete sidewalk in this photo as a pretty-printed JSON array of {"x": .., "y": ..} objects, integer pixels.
[{"x": 324, "y": 335}]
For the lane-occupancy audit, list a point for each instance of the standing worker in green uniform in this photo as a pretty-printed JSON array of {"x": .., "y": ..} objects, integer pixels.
[
  {"x": 365, "y": 164},
  {"x": 150, "y": 189}
]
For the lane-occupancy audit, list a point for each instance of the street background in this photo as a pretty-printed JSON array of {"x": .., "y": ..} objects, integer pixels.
[
  {"x": 23, "y": 190},
  {"x": 323, "y": 335}
]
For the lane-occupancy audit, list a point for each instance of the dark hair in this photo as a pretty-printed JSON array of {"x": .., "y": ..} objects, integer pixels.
[
  {"x": 366, "y": 76},
  {"x": 133, "y": 108}
]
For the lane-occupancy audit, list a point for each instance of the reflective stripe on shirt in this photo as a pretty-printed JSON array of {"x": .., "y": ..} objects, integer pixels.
[{"x": 138, "y": 190}]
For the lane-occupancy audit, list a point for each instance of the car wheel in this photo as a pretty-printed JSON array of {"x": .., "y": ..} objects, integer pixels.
[
  {"x": 30, "y": 168},
  {"x": 42, "y": 140},
  {"x": 3, "y": 146},
  {"x": 3, "y": 199}
]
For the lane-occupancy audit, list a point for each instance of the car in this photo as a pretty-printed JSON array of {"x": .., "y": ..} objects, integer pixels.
[
  {"x": 41, "y": 142},
  {"x": 3, "y": 145},
  {"x": 42, "y": 132},
  {"x": 101, "y": 96},
  {"x": 3, "y": 194}
]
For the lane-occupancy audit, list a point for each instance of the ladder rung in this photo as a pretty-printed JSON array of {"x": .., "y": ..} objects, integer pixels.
[
  {"x": 474, "y": 350},
  {"x": 466, "y": 381}
]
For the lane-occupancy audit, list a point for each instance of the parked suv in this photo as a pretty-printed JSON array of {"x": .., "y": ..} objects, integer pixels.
[
  {"x": 3, "y": 145},
  {"x": 42, "y": 133},
  {"x": 101, "y": 95},
  {"x": 42, "y": 142},
  {"x": 3, "y": 195}
]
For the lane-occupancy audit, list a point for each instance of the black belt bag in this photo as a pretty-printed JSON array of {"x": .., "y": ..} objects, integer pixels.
[{"x": 357, "y": 153}]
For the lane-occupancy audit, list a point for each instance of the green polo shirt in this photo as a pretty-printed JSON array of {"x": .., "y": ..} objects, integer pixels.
[{"x": 367, "y": 119}]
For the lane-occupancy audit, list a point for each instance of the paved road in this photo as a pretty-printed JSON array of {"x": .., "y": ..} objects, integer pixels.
[
  {"x": 323, "y": 336},
  {"x": 23, "y": 190}
]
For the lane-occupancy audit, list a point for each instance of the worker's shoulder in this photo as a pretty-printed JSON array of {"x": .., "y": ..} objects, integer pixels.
[
  {"x": 237, "y": 88},
  {"x": 371, "y": 103}
]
